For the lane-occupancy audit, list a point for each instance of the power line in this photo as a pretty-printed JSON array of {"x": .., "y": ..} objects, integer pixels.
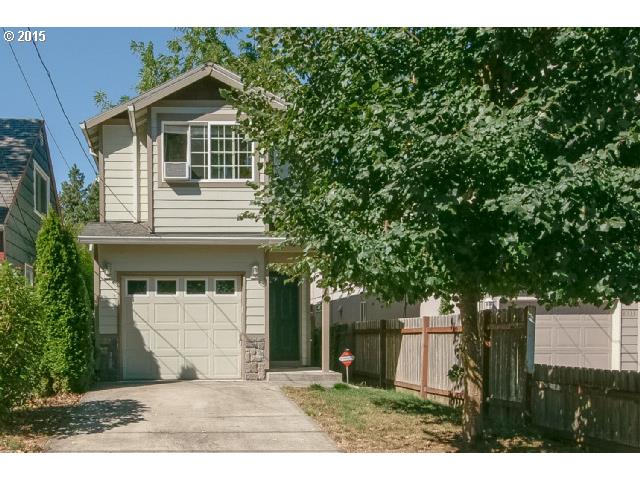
[{"x": 91, "y": 163}]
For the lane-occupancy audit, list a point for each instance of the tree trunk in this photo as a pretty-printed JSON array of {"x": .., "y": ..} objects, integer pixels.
[{"x": 471, "y": 353}]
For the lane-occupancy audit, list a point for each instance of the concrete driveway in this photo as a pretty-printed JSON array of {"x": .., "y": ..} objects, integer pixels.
[{"x": 196, "y": 416}]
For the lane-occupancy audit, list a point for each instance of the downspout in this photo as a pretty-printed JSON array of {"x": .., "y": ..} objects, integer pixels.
[{"x": 136, "y": 161}]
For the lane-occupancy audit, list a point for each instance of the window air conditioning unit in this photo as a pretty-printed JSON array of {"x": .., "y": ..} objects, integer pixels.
[{"x": 176, "y": 171}]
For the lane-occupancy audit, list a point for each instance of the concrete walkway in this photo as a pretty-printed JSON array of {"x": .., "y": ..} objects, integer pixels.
[{"x": 196, "y": 416}]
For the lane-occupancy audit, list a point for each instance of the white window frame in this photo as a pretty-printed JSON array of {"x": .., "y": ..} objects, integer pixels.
[
  {"x": 134, "y": 295},
  {"x": 167, "y": 294},
  {"x": 28, "y": 273},
  {"x": 363, "y": 310},
  {"x": 235, "y": 287},
  {"x": 206, "y": 287},
  {"x": 39, "y": 171},
  {"x": 208, "y": 124}
]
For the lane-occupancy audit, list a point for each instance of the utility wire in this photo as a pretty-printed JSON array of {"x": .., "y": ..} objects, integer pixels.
[{"x": 55, "y": 91}]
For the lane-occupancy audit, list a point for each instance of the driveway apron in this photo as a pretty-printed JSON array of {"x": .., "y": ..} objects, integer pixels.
[{"x": 196, "y": 416}]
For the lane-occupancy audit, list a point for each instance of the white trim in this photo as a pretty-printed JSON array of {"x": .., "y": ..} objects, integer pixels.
[
  {"x": 616, "y": 336},
  {"x": 164, "y": 279},
  {"x": 41, "y": 172},
  {"x": 173, "y": 240},
  {"x": 136, "y": 160},
  {"x": 136, "y": 279},
  {"x": 235, "y": 287},
  {"x": 208, "y": 124},
  {"x": 206, "y": 286}
]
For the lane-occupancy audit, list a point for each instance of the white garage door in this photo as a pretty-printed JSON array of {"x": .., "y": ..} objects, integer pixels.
[
  {"x": 574, "y": 337},
  {"x": 183, "y": 327}
]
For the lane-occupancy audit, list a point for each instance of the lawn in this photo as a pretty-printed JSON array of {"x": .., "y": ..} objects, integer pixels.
[
  {"x": 29, "y": 427},
  {"x": 365, "y": 419}
]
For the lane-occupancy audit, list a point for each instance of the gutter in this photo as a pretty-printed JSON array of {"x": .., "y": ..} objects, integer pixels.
[{"x": 179, "y": 240}]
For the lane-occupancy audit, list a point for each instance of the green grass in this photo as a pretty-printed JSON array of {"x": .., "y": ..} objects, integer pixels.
[{"x": 364, "y": 419}]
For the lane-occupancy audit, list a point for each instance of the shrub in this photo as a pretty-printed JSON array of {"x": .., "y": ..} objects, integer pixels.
[
  {"x": 21, "y": 339},
  {"x": 68, "y": 353}
]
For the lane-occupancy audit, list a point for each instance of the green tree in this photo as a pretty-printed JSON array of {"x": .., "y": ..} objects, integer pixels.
[
  {"x": 21, "y": 339},
  {"x": 68, "y": 319},
  {"x": 192, "y": 47},
  {"x": 80, "y": 203},
  {"x": 455, "y": 163}
]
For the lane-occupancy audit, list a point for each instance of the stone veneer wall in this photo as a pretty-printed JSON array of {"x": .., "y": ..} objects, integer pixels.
[{"x": 254, "y": 361}]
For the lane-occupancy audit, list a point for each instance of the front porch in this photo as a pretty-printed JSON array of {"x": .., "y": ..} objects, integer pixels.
[{"x": 291, "y": 354}]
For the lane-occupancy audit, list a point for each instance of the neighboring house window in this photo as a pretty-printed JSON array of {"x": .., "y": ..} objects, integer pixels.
[
  {"x": 28, "y": 273},
  {"x": 41, "y": 190},
  {"x": 211, "y": 151},
  {"x": 363, "y": 311}
]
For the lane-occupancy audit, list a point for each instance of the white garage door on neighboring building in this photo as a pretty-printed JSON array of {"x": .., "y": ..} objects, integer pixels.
[
  {"x": 574, "y": 337},
  {"x": 181, "y": 327}
]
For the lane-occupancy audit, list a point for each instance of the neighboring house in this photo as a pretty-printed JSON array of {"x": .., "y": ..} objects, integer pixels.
[
  {"x": 356, "y": 306},
  {"x": 583, "y": 336},
  {"x": 27, "y": 189},
  {"x": 185, "y": 288}
]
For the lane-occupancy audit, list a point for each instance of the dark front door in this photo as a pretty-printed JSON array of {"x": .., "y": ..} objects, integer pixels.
[{"x": 284, "y": 319}]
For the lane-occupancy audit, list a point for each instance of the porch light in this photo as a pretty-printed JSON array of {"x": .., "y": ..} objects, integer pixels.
[{"x": 255, "y": 270}]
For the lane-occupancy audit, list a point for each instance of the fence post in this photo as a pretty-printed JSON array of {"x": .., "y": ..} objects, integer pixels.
[
  {"x": 530, "y": 318},
  {"x": 424, "y": 381},
  {"x": 382, "y": 336},
  {"x": 487, "y": 316}
]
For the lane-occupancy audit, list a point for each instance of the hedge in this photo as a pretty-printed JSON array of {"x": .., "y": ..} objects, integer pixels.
[
  {"x": 21, "y": 339},
  {"x": 60, "y": 283}
]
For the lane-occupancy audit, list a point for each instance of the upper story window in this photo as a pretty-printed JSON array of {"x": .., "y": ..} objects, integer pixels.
[
  {"x": 41, "y": 190},
  {"x": 202, "y": 151}
]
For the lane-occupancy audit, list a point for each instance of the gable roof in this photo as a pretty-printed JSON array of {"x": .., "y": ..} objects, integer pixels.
[
  {"x": 215, "y": 71},
  {"x": 18, "y": 138}
]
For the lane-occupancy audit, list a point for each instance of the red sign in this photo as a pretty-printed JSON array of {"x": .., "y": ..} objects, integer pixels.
[{"x": 347, "y": 358}]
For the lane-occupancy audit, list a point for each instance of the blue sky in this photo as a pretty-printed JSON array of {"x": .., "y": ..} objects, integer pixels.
[{"x": 81, "y": 61}]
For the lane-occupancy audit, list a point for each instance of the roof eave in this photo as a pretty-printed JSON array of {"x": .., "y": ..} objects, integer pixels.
[{"x": 178, "y": 240}]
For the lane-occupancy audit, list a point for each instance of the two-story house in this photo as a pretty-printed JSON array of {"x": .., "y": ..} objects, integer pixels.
[
  {"x": 27, "y": 189},
  {"x": 183, "y": 287}
]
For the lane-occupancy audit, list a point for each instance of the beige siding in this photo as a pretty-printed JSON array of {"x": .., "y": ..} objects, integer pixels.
[
  {"x": 141, "y": 259},
  {"x": 118, "y": 152},
  {"x": 189, "y": 208}
]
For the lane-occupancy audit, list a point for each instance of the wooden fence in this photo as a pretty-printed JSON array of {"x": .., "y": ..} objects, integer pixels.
[
  {"x": 411, "y": 353},
  {"x": 418, "y": 354},
  {"x": 587, "y": 403}
]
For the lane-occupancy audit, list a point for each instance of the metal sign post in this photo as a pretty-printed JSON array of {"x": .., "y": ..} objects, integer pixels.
[{"x": 347, "y": 359}]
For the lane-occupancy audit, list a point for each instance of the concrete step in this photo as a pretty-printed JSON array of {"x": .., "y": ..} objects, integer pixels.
[{"x": 304, "y": 377}]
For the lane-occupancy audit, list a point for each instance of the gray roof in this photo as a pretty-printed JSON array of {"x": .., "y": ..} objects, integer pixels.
[{"x": 18, "y": 137}]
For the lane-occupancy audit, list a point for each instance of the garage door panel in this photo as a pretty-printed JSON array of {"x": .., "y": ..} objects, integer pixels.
[
  {"x": 197, "y": 313},
  {"x": 568, "y": 337},
  {"x": 169, "y": 367},
  {"x": 197, "y": 339},
  {"x": 226, "y": 314},
  {"x": 139, "y": 314},
  {"x": 167, "y": 339},
  {"x": 226, "y": 366},
  {"x": 196, "y": 367},
  {"x": 166, "y": 313},
  {"x": 182, "y": 336},
  {"x": 596, "y": 337}
]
